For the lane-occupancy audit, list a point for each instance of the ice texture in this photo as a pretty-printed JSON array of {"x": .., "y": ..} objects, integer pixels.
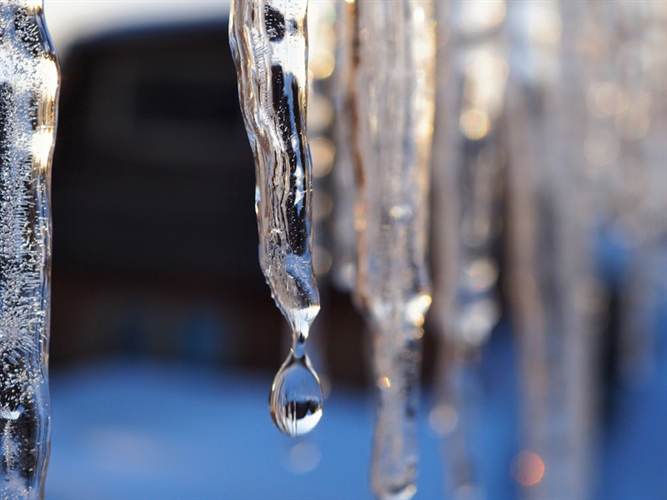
[
  {"x": 269, "y": 46},
  {"x": 29, "y": 81},
  {"x": 393, "y": 65}
]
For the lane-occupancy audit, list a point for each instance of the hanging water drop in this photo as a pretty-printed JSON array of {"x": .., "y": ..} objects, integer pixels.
[
  {"x": 296, "y": 396},
  {"x": 269, "y": 46}
]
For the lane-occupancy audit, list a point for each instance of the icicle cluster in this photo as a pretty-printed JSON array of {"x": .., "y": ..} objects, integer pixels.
[{"x": 550, "y": 116}]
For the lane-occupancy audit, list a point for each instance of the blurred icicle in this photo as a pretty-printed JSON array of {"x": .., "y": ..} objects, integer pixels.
[
  {"x": 551, "y": 280},
  {"x": 344, "y": 242},
  {"x": 626, "y": 154},
  {"x": 321, "y": 61},
  {"x": 394, "y": 100},
  {"x": 468, "y": 160}
]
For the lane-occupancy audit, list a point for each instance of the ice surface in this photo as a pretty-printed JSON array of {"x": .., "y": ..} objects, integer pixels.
[{"x": 28, "y": 95}]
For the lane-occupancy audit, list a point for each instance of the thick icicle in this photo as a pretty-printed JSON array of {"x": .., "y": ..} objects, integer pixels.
[
  {"x": 269, "y": 46},
  {"x": 394, "y": 101},
  {"x": 29, "y": 79}
]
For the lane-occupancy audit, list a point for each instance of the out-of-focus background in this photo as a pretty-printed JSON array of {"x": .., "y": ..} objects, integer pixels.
[{"x": 165, "y": 338}]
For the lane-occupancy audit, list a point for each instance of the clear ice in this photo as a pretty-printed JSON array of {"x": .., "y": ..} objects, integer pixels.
[
  {"x": 29, "y": 79},
  {"x": 393, "y": 98},
  {"x": 269, "y": 46}
]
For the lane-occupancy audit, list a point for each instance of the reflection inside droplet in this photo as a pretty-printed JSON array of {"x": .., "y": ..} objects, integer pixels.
[{"x": 296, "y": 397}]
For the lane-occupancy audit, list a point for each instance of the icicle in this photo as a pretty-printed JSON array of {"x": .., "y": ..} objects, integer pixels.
[
  {"x": 321, "y": 46},
  {"x": 394, "y": 103},
  {"x": 626, "y": 156},
  {"x": 269, "y": 46},
  {"x": 468, "y": 160},
  {"x": 550, "y": 273},
  {"x": 29, "y": 79},
  {"x": 344, "y": 243}
]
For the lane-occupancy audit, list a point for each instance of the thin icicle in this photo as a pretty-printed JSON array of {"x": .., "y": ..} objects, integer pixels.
[{"x": 344, "y": 244}]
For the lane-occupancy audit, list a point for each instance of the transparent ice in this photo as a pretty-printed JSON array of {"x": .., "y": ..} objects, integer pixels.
[
  {"x": 393, "y": 97},
  {"x": 269, "y": 46},
  {"x": 29, "y": 81}
]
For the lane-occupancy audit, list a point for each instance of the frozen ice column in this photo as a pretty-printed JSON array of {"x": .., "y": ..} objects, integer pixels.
[
  {"x": 29, "y": 79},
  {"x": 269, "y": 46},
  {"x": 394, "y": 100}
]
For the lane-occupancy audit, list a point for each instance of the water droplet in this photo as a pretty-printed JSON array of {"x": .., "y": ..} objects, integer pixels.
[{"x": 296, "y": 397}]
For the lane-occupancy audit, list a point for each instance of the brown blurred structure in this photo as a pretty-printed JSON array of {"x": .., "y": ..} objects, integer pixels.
[{"x": 155, "y": 248}]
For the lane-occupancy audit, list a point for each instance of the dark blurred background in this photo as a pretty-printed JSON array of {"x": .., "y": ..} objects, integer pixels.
[{"x": 153, "y": 185}]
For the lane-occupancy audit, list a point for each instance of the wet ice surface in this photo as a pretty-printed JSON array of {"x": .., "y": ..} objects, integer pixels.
[
  {"x": 28, "y": 88},
  {"x": 269, "y": 46}
]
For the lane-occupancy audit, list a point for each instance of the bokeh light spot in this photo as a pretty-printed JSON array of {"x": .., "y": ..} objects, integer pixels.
[
  {"x": 528, "y": 468},
  {"x": 474, "y": 124}
]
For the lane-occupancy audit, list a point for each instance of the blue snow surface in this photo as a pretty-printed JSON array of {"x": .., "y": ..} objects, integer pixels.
[
  {"x": 129, "y": 430},
  {"x": 139, "y": 430}
]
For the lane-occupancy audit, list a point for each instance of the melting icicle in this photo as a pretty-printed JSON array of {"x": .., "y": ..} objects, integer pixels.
[
  {"x": 394, "y": 101},
  {"x": 269, "y": 46},
  {"x": 28, "y": 94}
]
